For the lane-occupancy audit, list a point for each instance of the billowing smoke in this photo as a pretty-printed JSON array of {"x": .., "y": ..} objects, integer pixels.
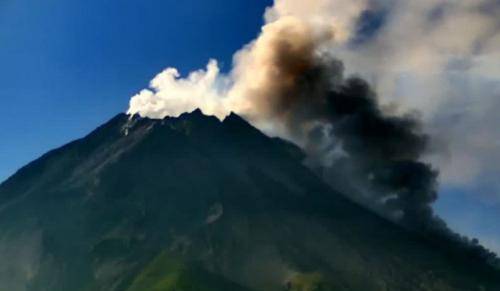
[
  {"x": 290, "y": 82},
  {"x": 288, "y": 41},
  {"x": 441, "y": 58}
]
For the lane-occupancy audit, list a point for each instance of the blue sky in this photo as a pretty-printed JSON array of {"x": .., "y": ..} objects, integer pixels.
[{"x": 68, "y": 66}]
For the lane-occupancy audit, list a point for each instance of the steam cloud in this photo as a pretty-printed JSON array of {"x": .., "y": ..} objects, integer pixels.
[{"x": 289, "y": 82}]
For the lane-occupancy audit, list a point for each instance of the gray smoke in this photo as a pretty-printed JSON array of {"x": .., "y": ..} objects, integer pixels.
[{"x": 289, "y": 82}]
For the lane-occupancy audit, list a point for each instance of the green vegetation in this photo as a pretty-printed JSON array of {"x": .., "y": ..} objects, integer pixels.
[
  {"x": 170, "y": 273},
  {"x": 308, "y": 282}
]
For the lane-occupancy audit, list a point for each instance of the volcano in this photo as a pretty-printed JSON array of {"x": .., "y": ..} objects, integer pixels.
[{"x": 194, "y": 203}]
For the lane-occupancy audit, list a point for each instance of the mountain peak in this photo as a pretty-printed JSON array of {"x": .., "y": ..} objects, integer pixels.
[
  {"x": 235, "y": 119},
  {"x": 197, "y": 113}
]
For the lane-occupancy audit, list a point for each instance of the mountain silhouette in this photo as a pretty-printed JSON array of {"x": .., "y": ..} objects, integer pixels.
[{"x": 193, "y": 203}]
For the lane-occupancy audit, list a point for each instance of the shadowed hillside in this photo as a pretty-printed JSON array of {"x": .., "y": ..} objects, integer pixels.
[{"x": 192, "y": 203}]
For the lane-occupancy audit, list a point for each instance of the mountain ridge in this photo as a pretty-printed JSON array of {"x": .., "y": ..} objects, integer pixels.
[{"x": 219, "y": 195}]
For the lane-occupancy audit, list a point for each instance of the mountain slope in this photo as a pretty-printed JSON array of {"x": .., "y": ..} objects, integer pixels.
[
  {"x": 167, "y": 272},
  {"x": 191, "y": 203}
]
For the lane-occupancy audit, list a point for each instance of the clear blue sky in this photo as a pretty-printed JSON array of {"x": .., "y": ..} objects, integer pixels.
[{"x": 68, "y": 66}]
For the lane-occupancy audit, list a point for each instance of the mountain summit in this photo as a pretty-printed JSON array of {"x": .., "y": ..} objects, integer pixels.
[{"x": 193, "y": 203}]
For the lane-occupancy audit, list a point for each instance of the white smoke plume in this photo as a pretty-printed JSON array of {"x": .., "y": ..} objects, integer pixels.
[
  {"x": 170, "y": 95},
  {"x": 440, "y": 57},
  {"x": 294, "y": 32}
]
